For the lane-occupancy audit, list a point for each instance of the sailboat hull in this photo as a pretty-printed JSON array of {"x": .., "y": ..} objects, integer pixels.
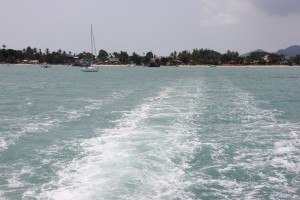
[{"x": 90, "y": 69}]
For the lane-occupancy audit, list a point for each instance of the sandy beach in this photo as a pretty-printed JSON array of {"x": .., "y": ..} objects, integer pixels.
[{"x": 166, "y": 66}]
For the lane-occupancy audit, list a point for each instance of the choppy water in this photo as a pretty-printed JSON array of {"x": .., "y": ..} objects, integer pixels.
[{"x": 149, "y": 133}]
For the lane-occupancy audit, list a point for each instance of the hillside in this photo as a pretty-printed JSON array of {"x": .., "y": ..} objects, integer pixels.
[
  {"x": 256, "y": 51},
  {"x": 290, "y": 51}
]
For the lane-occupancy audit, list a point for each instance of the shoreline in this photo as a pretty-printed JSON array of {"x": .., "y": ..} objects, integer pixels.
[{"x": 165, "y": 66}]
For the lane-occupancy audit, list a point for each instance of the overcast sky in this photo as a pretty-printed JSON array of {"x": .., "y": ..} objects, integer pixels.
[{"x": 161, "y": 26}]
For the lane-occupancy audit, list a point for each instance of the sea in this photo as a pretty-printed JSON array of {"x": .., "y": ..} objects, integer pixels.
[{"x": 140, "y": 133}]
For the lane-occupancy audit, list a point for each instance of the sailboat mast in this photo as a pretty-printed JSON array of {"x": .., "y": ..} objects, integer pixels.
[
  {"x": 91, "y": 68},
  {"x": 92, "y": 49}
]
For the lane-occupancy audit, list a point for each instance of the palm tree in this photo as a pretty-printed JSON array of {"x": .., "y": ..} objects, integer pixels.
[{"x": 3, "y": 52}]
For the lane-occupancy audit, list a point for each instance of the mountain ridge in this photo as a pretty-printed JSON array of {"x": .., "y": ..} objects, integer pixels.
[
  {"x": 291, "y": 51},
  {"x": 288, "y": 52},
  {"x": 255, "y": 51}
]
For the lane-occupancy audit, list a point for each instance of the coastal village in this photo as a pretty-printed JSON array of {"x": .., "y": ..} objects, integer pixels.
[{"x": 35, "y": 56}]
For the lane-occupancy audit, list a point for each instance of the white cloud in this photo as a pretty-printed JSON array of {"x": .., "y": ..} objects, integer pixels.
[
  {"x": 220, "y": 19},
  {"x": 222, "y": 13}
]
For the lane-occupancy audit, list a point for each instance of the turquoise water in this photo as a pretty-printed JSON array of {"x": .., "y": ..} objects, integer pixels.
[{"x": 149, "y": 133}]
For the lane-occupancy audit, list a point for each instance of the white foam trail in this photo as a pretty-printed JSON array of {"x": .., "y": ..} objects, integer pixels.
[
  {"x": 287, "y": 151},
  {"x": 143, "y": 157},
  {"x": 266, "y": 150},
  {"x": 154, "y": 151},
  {"x": 3, "y": 144},
  {"x": 14, "y": 182}
]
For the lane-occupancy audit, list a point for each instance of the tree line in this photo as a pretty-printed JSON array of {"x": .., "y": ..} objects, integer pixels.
[{"x": 194, "y": 57}]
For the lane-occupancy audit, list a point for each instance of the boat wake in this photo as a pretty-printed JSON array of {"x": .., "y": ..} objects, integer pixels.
[
  {"x": 188, "y": 144},
  {"x": 190, "y": 139},
  {"x": 144, "y": 156}
]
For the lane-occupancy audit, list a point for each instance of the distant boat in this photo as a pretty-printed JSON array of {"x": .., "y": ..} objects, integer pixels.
[
  {"x": 45, "y": 65},
  {"x": 153, "y": 64},
  {"x": 91, "y": 68},
  {"x": 212, "y": 65}
]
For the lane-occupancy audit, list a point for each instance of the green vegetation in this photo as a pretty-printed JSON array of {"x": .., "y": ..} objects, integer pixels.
[{"x": 195, "y": 57}]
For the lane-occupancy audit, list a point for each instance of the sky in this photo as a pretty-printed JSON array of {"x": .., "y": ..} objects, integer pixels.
[{"x": 160, "y": 26}]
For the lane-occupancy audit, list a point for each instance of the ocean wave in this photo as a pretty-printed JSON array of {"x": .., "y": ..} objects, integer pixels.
[{"x": 19, "y": 127}]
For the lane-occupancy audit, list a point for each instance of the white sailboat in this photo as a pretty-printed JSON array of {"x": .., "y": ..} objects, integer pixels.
[{"x": 91, "y": 68}]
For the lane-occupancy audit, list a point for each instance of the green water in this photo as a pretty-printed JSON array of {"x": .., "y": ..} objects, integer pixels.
[{"x": 149, "y": 133}]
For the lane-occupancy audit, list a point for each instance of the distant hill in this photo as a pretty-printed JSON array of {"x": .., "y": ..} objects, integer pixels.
[
  {"x": 290, "y": 51},
  {"x": 258, "y": 51}
]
